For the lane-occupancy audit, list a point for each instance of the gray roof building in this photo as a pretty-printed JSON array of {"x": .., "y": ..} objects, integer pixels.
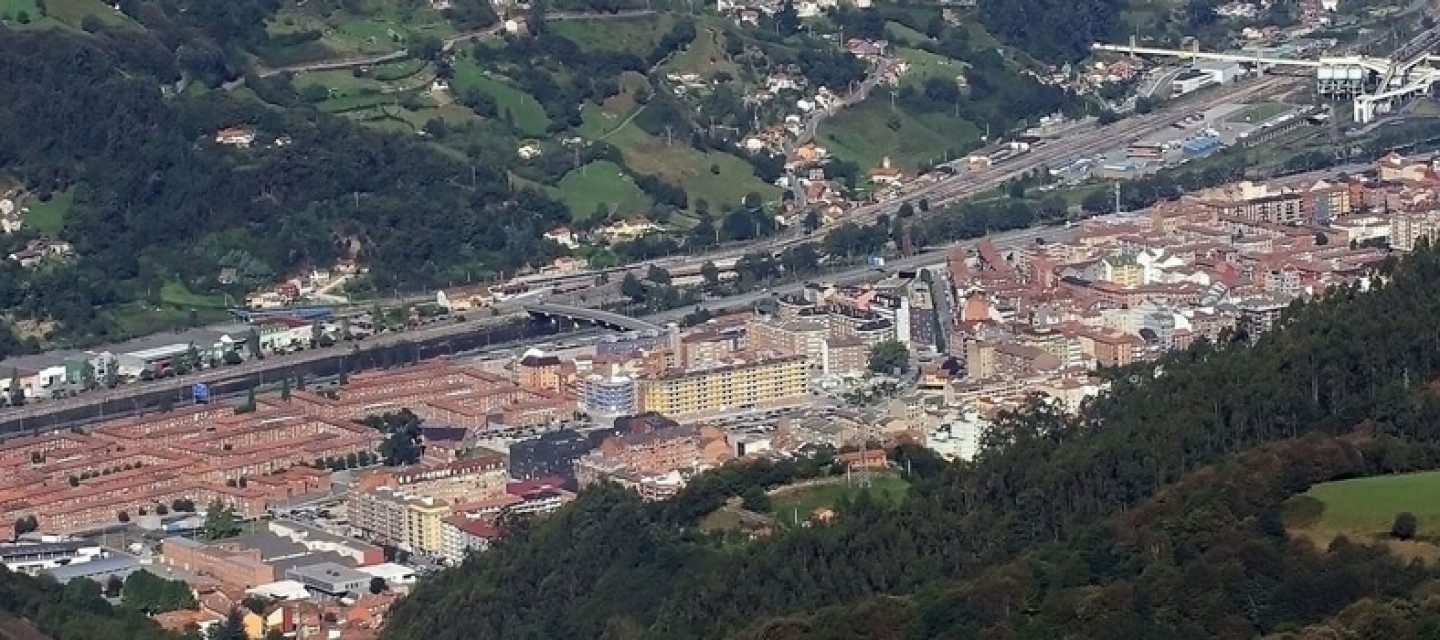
[
  {"x": 330, "y": 578},
  {"x": 98, "y": 570}
]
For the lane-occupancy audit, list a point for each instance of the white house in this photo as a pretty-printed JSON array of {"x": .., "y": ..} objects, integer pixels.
[
  {"x": 235, "y": 137},
  {"x": 562, "y": 236}
]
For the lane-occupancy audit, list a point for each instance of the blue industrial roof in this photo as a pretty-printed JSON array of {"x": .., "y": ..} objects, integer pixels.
[{"x": 1202, "y": 144}]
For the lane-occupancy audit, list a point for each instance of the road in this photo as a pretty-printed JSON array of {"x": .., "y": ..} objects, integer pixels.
[
  {"x": 250, "y": 367},
  {"x": 1005, "y": 241},
  {"x": 1165, "y": 79},
  {"x": 812, "y": 124}
]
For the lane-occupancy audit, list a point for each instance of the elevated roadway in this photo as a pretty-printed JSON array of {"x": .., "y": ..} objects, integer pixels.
[
  {"x": 1374, "y": 83},
  {"x": 592, "y": 316}
]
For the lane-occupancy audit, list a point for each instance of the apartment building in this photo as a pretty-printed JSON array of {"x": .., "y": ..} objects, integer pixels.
[
  {"x": 706, "y": 349},
  {"x": 379, "y": 513},
  {"x": 654, "y": 453},
  {"x": 425, "y": 524},
  {"x": 792, "y": 338},
  {"x": 612, "y": 394},
  {"x": 1122, "y": 270},
  {"x": 411, "y": 522},
  {"x": 848, "y": 356},
  {"x": 464, "y": 535},
  {"x": 1258, "y": 202},
  {"x": 1409, "y": 228},
  {"x": 754, "y": 384},
  {"x": 539, "y": 372}
]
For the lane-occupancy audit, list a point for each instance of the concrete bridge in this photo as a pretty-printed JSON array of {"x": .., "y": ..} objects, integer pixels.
[{"x": 593, "y": 316}]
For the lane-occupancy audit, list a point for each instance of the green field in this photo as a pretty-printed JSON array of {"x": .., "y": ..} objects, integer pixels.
[
  {"x": 61, "y": 12},
  {"x": 398, "y": 70},
  {"x": 10, "y": 9},
  {"x": 924, "y": 65},
  {"x": 404, "y": 75},
  {"x": 382, "y": 31},
  {"x": 900, "y": 33},
  {"x": 864, "y": 134},
  {"x": 177, "y": 294},
  {"x": 719, "y": 178},
  {"x": 721, "y": 520},
  {"x": 1366, "y": 507},
  {"x": 49, "y": 217},
  {"x": 788, "y": 507},
  {"x": 341, "y": 83},
  {"x": 345, "y": 104},
  {"x": 72, "y": 12},
  {"x": 636, "y": 35},
  {"x": 597, "y": 183},
  {"x": 1258, "y": 113},
  {"x": 137, "y": 319},
  {"x": 705, "y": 56},
  {"x": 525, "y": 111}
]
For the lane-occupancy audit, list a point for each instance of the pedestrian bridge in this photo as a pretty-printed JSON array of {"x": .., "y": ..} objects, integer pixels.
[{"x": 593, "y": 316}]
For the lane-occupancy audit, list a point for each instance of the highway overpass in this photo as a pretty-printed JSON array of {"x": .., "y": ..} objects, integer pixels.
[{"x": 592, "y": 316}]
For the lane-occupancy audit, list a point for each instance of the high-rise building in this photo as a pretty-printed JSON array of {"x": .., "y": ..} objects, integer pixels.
[
  {"x": 979, "y": 359},
  {"x": 847, "y": 356},
  {"x": 1407, "y": 229}
]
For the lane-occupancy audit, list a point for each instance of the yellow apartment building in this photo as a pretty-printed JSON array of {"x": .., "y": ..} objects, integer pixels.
[
  {"x": 424, "y": 524},
  {"x": 704, "y": 392}
]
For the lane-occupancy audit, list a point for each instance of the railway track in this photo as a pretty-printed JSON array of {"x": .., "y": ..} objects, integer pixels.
[{"x": 1101, "y": 139}]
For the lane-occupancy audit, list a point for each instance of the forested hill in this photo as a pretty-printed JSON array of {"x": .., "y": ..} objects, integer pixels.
[
  {"x": 1083, "y": 527},
  {"x": 154, "y": 196}
]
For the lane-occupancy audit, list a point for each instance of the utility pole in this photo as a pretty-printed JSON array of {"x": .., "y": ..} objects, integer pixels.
[{"x": 864, "y": 462}]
